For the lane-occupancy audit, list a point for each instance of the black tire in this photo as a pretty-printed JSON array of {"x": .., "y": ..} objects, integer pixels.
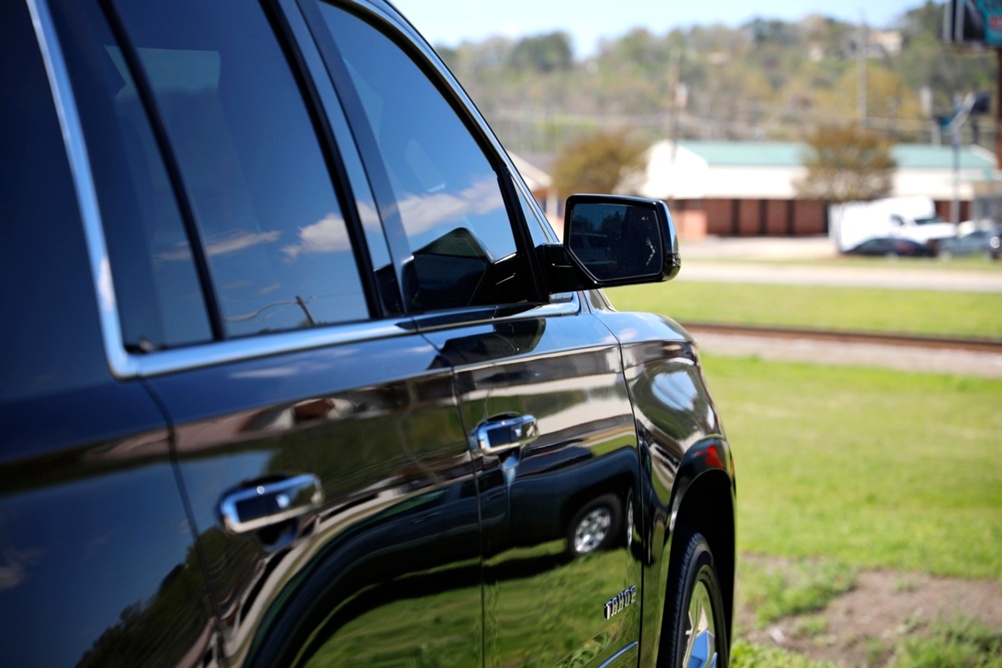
[
  {"x": 596, "y": 526},
  {"x": 694, "y": 631}
]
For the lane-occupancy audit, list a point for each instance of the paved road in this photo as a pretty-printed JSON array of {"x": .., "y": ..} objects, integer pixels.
[
  {"x": 713, "y": 259},
  {"x": 903, "y": 277}
]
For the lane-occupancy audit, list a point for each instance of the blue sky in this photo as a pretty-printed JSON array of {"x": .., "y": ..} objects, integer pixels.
[{"x": 450, "y": 22}]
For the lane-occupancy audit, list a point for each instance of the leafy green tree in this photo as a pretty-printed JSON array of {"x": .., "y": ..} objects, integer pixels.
[
  {"x": 846, "y": 163},
  {"x": 767, "y": 80},
  {"x": 597, "y": 163},
  {"x": 543, "y": 53}
]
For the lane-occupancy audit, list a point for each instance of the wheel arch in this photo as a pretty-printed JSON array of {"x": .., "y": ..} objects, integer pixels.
[{"x": 706, "y": 505}]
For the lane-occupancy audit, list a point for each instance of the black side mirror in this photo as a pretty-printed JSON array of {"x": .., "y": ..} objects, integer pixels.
[{"x": 613, "y": 240}]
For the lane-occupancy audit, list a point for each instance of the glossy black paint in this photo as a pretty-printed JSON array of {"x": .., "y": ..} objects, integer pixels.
[
  {"x": 94, "y": 538},
  {"x": 376, "y": 421},
  {"x": 565, "y": 370},
  {"x": 118, "y": 448},
  {"x": 687, "y": 470}
]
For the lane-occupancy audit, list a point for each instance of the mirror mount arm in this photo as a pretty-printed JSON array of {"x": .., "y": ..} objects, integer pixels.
[{"x": 562, "y": 272}]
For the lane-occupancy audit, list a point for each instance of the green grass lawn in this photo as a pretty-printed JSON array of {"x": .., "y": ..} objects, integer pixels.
[
  {"x": 871, "y": 467},
  {"x": 925, "y": 312},
  {"x": 840, "y": 468}
]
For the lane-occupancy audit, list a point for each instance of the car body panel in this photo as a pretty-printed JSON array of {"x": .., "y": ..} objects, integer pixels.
[
  {"x": 376, "y": 422},
  {"x": 541, "y": 603},
  {"x": 96, "y": 538},
  {"x": 681, "y": 439},
  {"x": 97, "y": 560}
]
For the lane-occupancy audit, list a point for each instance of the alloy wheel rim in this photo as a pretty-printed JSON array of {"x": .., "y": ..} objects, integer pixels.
[{"x": 700, "y": 645}]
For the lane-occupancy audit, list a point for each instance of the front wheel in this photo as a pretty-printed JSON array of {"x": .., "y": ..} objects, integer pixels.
[{"x": 694, "y": 632}]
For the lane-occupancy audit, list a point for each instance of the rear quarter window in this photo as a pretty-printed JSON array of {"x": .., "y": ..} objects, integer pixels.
[{"x": 276, "y": 242}]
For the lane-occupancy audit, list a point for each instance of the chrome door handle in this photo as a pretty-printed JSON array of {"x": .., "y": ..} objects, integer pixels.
[
  {"x": 258, "y": 505},
  {"x": 499, "y": 435}
]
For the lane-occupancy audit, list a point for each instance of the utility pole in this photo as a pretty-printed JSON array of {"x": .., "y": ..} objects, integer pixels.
[
  {"x": 963, "y": 110},
  {"x": 862, "y": 48},
  {"x": 998, "y": 110},
  {"x": 674, "y": 76}
]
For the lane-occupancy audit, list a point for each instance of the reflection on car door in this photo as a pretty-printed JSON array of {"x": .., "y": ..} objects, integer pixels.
[
  {"x": 356, "y": 580},
  {"x": 541, "y": 387},
  {"x": 544, "y": 398}
]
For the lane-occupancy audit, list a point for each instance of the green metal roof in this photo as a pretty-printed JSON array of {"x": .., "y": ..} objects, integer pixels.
[
  {"x": 923, "y": 156},
  {"x": 747, "y": 154},
  {"x": 790, "y": 154}
]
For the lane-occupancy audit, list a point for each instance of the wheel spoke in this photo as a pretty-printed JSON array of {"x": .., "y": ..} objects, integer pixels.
[{"x": 701, "y": 650}]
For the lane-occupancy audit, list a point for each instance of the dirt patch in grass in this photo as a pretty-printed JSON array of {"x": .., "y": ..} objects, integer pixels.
[{"x": 864, "y": 626}]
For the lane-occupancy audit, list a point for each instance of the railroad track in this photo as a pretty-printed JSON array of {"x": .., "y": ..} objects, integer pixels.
[{"x": 937, "y": 342}]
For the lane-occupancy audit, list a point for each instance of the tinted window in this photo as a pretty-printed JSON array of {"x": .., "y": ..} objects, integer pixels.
[
  {"x": 158, "y": 293},
  {"x": 444, "y": 188},
  {"x": 276, "y": 242}
]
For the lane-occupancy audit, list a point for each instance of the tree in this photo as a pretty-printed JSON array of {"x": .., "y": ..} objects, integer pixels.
[
  {"x": 543, "y": 53},
  {"x": 597, "y": 163},
  {"x": 846, "y": 163}
]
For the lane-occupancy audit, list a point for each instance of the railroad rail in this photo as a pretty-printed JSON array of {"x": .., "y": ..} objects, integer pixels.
[{"x": 913, "y": 341}]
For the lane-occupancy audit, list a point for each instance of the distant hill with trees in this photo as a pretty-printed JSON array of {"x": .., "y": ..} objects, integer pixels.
[{"x": 767, "y": 79}]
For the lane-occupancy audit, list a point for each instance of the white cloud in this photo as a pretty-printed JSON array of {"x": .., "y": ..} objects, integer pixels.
[
  {"x": 421, "y": 213},
  {"x": 328, "y": 235}
]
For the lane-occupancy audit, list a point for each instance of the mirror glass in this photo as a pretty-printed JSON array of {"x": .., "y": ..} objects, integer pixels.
[{"x": 616, "y": 241}]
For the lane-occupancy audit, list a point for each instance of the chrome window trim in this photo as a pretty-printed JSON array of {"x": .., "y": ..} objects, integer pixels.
[
  {"x": 163, "y": 362},
  {"x": 121, "y": 364}
]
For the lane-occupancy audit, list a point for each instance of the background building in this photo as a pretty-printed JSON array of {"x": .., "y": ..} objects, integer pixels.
[{"x": 746, "y": 188}]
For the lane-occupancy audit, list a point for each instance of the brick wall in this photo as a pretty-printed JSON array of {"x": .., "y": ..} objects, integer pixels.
[
  {"x": 778, "y": 214},
  {"x": 943, "y": 209},
  {"x": 719, "y": 217},
  {"x": 810, "y": 217},
  {"x": 758, "y": 217}
]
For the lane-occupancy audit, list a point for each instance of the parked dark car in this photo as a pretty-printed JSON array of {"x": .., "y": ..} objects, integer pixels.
[
  {"x": 295, "y": 372},
  {"x": 980, "y": 242},
  {"x": 888, "y": 246}
]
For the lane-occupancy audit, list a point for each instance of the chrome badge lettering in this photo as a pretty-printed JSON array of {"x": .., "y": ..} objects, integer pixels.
[{"x": 620, "y": 602}]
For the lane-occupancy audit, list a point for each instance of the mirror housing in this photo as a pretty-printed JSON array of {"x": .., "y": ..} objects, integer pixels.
[{"x": 612, "y": 240}]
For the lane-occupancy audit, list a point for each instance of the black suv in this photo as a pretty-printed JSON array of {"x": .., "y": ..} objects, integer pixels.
[{"x": 294, "y": 372}]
